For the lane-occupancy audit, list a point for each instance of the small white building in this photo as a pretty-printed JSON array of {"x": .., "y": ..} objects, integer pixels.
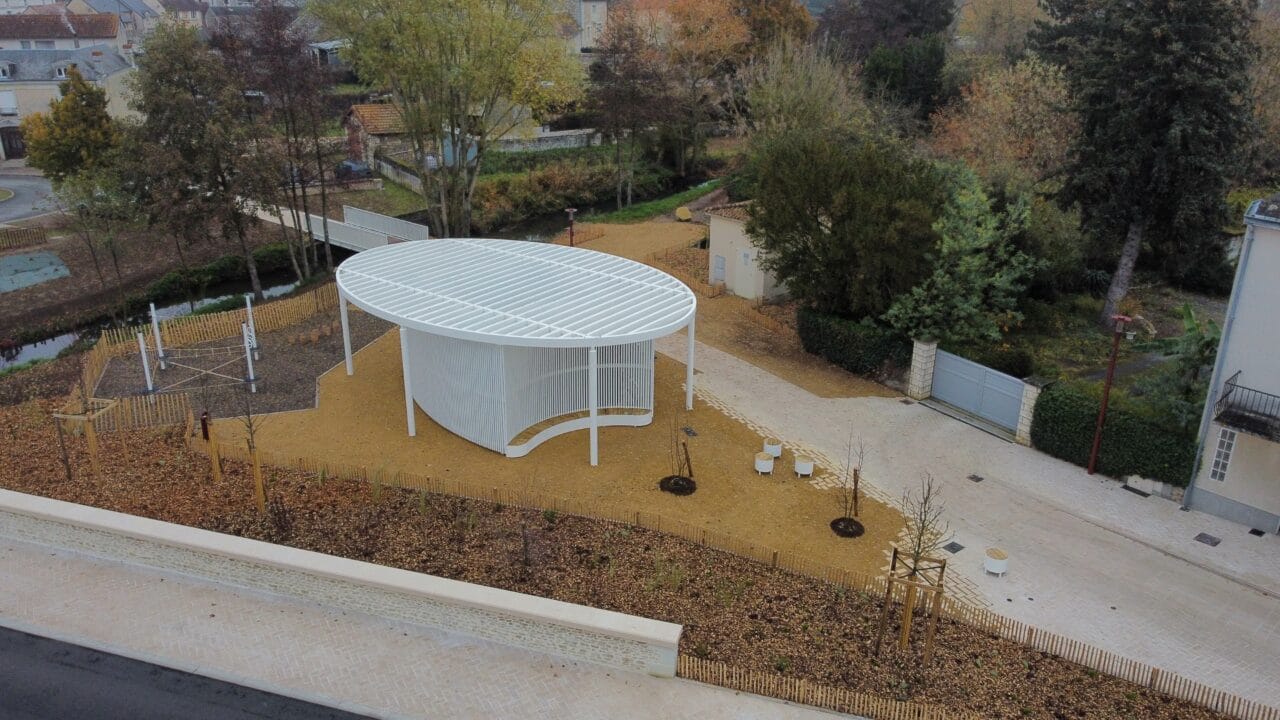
[
  {"x": 1238, "y": 471},
  {"x": 734, "y": 258}
]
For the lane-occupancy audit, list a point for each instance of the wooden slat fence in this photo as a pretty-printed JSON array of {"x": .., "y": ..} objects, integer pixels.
[
  {"x": 14, "y": 238},
  {"x": 802, "y": 691},
  {"x": 985, "y": 620},
  {"x": 144, "y": 411},
  {"x": 697, "y": 285}
]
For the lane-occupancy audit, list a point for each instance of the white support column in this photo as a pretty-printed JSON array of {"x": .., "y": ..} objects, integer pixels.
[
  {"x": 146, "y": 366},
  {"x": 924, "y": 354},
  {"x": 248, "y": 358},
  {"x": 592, "y": 401},
  {"x": 408, "y": 383},
  {"x": 688, "y": 369},
  {"x": 346, "y": 333},
  {"x": 155, "y": 330},
  {"x": 253, "y": 330}
]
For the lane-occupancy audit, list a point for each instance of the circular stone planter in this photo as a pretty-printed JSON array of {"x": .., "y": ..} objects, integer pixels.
[
  {"x": 677, "y": 485},
  {"x": 847, "y": 527},
  {"x": 804, "y": 466},
  {"x": 773, "y": 446}
]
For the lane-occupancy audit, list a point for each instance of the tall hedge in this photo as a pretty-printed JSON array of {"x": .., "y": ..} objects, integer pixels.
[
  {"x": 1063, "y": 425},
  {"x": 857, "y": 346}
]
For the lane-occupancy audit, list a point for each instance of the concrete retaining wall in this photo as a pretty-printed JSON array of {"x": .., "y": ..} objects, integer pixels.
[{"x": 572, "y": 631}]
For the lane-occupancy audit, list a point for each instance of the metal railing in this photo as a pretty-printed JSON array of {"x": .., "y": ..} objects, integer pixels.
[{"x": 1251, "y": 411}]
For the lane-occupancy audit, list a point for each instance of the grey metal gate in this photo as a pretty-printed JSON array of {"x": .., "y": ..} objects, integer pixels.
[{"x": 977, "y": 389}]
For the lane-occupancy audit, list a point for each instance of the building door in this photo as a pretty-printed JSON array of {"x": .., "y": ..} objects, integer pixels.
[
  {"x": 977, "y": 389},
  {"x": 11, "y": 138},
  {"x": 717, "y": 269}
]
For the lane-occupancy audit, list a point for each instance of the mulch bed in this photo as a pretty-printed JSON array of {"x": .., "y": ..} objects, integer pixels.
[
  {"x": 286, "y": 370},
  {"x": 733, "y": 610}
]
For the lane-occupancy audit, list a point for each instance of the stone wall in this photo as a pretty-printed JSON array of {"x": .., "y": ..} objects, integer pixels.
[
  {"x": 538, "y": 624},
  {"x": 920, "y": 380}
]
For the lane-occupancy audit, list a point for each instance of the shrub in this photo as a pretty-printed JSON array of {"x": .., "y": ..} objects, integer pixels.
[
  {"x": 1066, "y": 414},
  {"x": 1014, "y": 361},
  {"x": 857, "y": 346}
]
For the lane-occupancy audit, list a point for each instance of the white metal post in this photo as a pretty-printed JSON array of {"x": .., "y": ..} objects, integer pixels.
[
  {"x": 688, "y": 370},
  {"x": 155, "y": 330},
  {"x": 248, "y": 359},
  {"x": 408, "y": 383},
  {"x": 253, "y": 330},
  {"x": 146, "y": 366},
  {"x": 591, "y": 403},
  {"x": 346, "y": 333}
]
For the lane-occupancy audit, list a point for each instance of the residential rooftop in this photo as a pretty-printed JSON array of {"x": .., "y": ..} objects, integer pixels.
[
  {"x": 378, "y": 118},
  {"x": 59, "y": 27},
  {"x": 36, "y": 65},
  {"x": 739, "y": 211}
]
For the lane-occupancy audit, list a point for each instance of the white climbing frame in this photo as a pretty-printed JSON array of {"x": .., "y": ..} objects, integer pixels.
[
  {"x": 146, "y": 366},
  {"x": 155, "y": 330},
  {"x": 501, "y": 339}
]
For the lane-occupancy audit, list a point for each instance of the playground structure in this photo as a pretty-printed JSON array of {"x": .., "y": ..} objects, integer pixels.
[{"x": 202, "y": 364}]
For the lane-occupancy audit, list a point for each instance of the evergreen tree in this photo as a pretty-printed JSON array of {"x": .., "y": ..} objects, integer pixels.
[
  {"x": 76, "y": 133},
  {"x": 844, "y": 222},
  {"x": 1162, "y": 94}
]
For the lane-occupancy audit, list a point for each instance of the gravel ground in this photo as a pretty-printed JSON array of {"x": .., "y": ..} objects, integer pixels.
[{"x": 286, "y": 371}]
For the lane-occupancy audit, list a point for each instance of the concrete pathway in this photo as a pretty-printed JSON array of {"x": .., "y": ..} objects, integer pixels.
[
  {"x": 1088, "y": 559},
  {"x": 356, "y": 663},
  {"x": 30, "y": 197}
]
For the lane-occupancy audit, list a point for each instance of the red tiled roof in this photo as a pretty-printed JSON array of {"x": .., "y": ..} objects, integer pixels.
[
  {"x": 56, "y": 27},
  {"x": 739, "y": 211},
  {"x": 50, "y": 9},
  {"x": 378, "y": 118}
]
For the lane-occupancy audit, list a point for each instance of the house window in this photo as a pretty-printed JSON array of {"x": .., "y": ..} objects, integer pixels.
[
  {"x": 8, "y": 102},
  {"x": 26, "y": 44},
  {"x": 44, "y": 44},
  {"x": 1222, "y": 456},
  {"x": 60, "y": 73},
  {"x": 4, "y": 71}
]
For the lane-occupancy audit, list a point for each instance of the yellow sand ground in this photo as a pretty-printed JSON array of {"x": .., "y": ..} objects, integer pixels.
[{"x": 360, "y": 420}]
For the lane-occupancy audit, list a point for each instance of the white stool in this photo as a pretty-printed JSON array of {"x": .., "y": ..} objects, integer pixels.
[
  {"x": 996, "y": 562},
  {"x": 804, "y": 466},
  {"x": 764, "y": 463},
  {"x": 773, "y": 446}
]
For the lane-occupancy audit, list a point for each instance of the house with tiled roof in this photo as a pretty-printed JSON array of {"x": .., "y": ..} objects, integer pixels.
[
  {"x": 373, "y": 127},
  {"x": 29, "y": 79},
  {"x": 62, "y": 31},
  {"x": 733, "y": 259}
]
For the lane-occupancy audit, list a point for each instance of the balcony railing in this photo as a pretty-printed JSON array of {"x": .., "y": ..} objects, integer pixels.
[{"x": 1248, "y": 410}]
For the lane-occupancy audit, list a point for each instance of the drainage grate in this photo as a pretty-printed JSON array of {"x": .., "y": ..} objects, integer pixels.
[
  {"x": 1257, "y": 533},
  {"x": 976, "y": 478},
  {"x": 953, "y": 547},
  {"x": 1208, "y": 539},
  {"x": 907, "y": 401},
  {"x": 1136, "y": 491},
  {"x": 690, "y": 432}
]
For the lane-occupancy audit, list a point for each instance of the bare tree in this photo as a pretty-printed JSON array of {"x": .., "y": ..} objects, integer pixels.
[
  {"x": 252, "y": 425},
  {"x": 927, "y": 532}
]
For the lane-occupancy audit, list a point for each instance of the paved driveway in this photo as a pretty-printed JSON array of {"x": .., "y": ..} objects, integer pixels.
[
  {"x": 1088, "y": 560},
  {"x": 30, "y": 197}
]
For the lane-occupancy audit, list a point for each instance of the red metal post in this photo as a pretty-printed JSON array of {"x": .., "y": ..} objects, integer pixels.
[{"x": 1106, "y": 392}]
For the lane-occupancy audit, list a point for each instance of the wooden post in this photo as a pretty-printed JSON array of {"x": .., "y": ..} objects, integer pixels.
[
  {"x": 908, "y": 609},
  {"x": 62, "y": 446},
  {"x": 259, "y": 489},
  {"x": 215, "y": 460},
  {"x": 888, "y": 597},
  {"x": 932, "y": 630},
  {"x": 91, "y": 440}
]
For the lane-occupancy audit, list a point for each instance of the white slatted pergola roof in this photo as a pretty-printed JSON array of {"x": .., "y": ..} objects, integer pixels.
[
  {"x": 512, "y": 292},
  {"x": 506, "y": 323}
]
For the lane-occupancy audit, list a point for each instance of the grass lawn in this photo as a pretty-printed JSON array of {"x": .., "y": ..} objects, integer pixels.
[
  {"x": 5, "y": 194},
  {"x": 653, "y": 208},
  {"x": 393, "y": 199}
]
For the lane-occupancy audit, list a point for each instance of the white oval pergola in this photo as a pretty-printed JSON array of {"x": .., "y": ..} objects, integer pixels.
[{"x": 510, "y": 343}]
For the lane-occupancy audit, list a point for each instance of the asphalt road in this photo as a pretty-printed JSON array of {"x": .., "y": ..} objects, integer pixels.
[
  {"x": 29, "y": 193},
  {"x": 42, "y": 679}
]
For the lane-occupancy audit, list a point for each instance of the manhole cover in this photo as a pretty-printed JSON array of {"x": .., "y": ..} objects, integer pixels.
[
  {"x": 976, "y": 478},
  {"x": 1208, "y": 539},
  {"x": 690, "y": 432},
  {"x": 1257, "y": 533},
  {"x": 953, "y": 547}
]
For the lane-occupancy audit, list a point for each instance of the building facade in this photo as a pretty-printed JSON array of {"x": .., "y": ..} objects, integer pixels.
[
  {"x": 1238, "y": 470},
  {"x": 734, "y": 260},
  {"x": 30, "y": 79}
]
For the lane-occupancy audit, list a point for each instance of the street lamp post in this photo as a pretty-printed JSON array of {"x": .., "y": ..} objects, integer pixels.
[{"x": 1120, "y": 321}]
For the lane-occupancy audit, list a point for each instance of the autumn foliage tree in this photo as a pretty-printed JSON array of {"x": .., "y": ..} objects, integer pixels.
[
  {"x": 75, "y": 134},
  {"x": 771, "y": 21}
]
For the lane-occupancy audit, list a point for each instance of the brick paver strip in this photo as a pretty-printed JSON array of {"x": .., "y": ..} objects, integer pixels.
[{"x": 1087, "y": 560}]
